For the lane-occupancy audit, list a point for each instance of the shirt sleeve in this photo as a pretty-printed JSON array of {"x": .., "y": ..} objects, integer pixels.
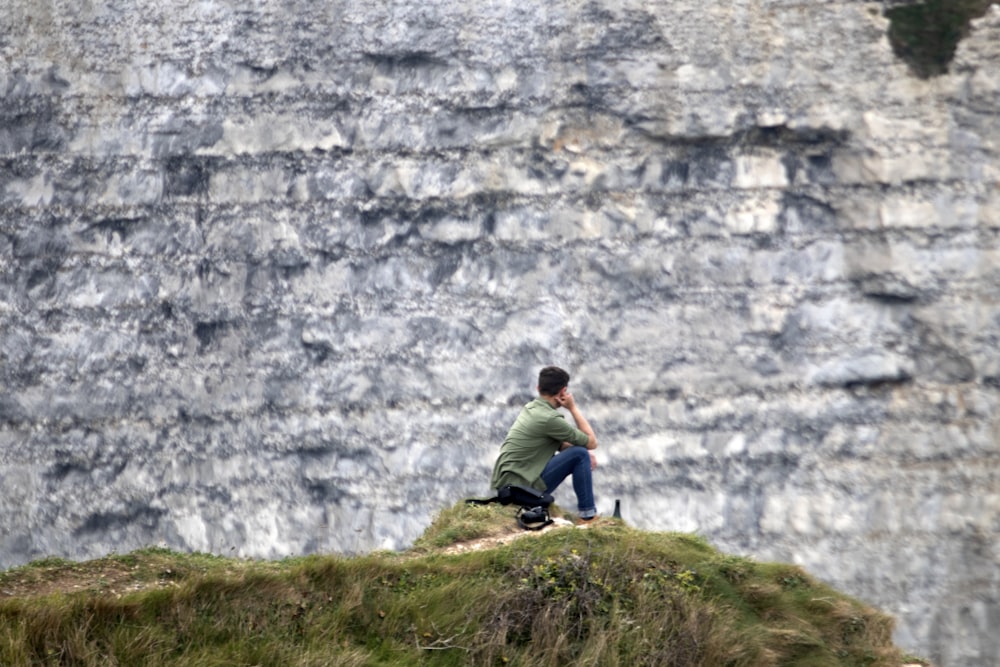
[{"x": 559, "y": 429}]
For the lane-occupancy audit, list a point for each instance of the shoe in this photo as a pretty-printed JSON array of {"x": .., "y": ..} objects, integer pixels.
[{"x": 580, "y": 522}]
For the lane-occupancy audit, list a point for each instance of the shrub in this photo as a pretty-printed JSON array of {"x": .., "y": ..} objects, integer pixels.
[{"x": 925, "y": 35}]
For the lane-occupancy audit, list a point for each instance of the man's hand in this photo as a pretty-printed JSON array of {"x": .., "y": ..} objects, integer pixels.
[
  {"x": 593, "y": 461},
  {"x": 566, "y": 400}
]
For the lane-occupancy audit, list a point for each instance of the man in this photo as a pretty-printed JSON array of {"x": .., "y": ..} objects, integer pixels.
[{"x": 542, "y": 449}]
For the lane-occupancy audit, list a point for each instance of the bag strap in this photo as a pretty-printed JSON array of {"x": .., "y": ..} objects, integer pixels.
[
  {"x": 481, "y": 501},
  {"x": 507, "y": 495}
]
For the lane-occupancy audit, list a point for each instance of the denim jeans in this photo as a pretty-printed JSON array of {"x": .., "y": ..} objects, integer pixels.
[{"x": 572, "y": 461}]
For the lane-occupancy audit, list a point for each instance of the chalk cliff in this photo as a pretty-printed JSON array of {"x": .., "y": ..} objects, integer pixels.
[{"x": 274, "y": 279}]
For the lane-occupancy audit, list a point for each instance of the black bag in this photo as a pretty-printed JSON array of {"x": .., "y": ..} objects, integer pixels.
[
  {"x": 522, "y": 496},
  {"x": 533, "y": 512}
]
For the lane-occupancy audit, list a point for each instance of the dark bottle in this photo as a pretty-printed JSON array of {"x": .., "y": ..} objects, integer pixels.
[{"x": 618, "y": 509}]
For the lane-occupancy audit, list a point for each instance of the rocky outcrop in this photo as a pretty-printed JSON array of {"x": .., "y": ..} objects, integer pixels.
[{"x": 275, "y": 279}]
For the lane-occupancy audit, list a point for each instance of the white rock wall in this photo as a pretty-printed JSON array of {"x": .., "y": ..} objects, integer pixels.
[{"x": 275, "y": 278}]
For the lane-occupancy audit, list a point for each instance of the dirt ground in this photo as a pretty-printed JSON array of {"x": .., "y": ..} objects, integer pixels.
[{"x": 106, "y": 576}]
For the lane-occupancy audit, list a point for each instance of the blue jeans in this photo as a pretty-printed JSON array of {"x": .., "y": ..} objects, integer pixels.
[{"x": 572, "y": 461}]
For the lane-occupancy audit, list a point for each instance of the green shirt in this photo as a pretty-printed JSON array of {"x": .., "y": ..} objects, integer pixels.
[{"x": 534, "y": 438}]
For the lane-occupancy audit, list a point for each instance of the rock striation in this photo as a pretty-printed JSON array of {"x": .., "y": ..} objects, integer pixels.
[{"x": 275, "y": 278}]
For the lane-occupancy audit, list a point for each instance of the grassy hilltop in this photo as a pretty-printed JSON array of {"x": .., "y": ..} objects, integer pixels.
[{"x": 473, "y": 591}]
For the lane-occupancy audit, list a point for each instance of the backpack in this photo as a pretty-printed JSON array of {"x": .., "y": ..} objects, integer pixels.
[{"x": 533, "y": 505}]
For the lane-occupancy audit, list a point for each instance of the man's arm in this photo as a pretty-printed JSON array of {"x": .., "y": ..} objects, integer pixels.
[{"x": 567, "y": 401}]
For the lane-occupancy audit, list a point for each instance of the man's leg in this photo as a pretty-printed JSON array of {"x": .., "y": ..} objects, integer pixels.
[{"x": 573, "y": 461}]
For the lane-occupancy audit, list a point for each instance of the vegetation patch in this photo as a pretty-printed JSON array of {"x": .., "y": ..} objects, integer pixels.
[
  {"x": 925, "y": 35},
  {"x": 604, "y": 595}
]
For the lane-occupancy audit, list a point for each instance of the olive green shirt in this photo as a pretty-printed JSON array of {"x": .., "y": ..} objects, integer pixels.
[{"x": 537, "y": 434}]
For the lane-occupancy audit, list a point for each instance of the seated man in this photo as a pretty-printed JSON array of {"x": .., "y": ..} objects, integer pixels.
[{"x": 542, "y": 449}]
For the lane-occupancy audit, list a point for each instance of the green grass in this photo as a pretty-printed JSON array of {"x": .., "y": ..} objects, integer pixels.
[{"x": 606, "y": 595}]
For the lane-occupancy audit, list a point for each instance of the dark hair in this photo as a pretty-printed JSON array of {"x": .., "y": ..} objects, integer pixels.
[{"x": 551, "y": 380}]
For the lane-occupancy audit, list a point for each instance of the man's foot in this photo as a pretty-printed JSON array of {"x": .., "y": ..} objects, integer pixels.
[{"x": 582, "y": 522}]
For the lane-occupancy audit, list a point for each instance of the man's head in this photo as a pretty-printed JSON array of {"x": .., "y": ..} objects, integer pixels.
[{"x": 552, "y": 380}]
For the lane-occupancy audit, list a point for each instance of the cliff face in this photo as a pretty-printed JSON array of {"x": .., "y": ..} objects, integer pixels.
[{"x": 276, "y": 280}]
